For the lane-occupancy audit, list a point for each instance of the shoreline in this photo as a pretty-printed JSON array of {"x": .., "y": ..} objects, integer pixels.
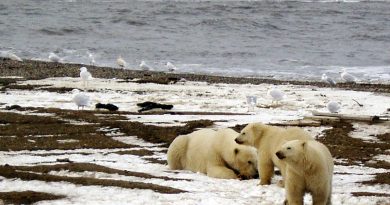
[{"x": 35, "y": 70}]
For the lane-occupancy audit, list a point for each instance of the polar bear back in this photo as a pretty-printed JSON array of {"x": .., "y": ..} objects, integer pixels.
[
  {"x": 189, "y": 151},
  {"x": 318, "y": 154},
  {"x": 200, "y": 144},
  {"x": 293, "y": 133},
  {"x": 224, "y": 138},
  {"x": 210, "y": 146}
]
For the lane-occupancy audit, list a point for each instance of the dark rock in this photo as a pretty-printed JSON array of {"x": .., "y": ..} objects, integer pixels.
[
  {"x": 63, "y": 160},
  {"x": 13, "y": 107},
  {"x": 152, "y": 105},
  {"x": 109, "y": 106}
]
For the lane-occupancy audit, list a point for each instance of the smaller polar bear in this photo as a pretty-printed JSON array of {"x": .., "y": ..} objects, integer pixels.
[
  {"x": 309, "y": 167},
  {"x": 268, "y": 139},
  {"x": 214, "y": 153}
]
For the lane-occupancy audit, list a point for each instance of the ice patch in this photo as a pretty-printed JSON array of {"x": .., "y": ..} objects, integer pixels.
[
  {"x": 381, "y": 157},
  {"x": 67, "y": 141},
  {"x": 136, "y": 141}
]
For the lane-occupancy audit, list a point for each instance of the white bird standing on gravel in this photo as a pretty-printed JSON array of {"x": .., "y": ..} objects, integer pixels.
[
  {"x": 145, "y": 66},
  {"x": 85, "y": 76},
  {"x": 276, "y": 94},
  {"x": 13, "y": 56},
  {"x": 328, "y": 80},
  {"x": 54, "y": 57},
  {"x": 347, "y": 77},
  {"x": 80, "y": 99},
  {"x": 171, "y": 67},
  {"x": 121, "y": 63},
  {"x": 333, "y": 107}
]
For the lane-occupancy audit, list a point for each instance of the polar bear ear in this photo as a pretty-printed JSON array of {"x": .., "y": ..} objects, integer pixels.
[{"x": 236, "y": 150}]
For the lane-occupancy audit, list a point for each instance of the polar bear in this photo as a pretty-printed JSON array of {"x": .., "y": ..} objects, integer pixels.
[
  {"x": 214, "y": 153},
  {"x": 309, "y": 168},
  {"x": 268, "y": 139}
]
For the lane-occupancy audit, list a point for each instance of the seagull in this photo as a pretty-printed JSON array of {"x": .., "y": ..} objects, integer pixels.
[
  {"x": 328, "y": 80},
  {"x": 145, "y": 66},
  {"x": 80, "y": 99},
  {"x": 53, "y": 57},
  {"x": 347, "y": 77},
  {"x": 333, "y": 107},
  {"x": 171, "y": 67},
  {"x": 277, "y": 95},
  {"x": 91, "y": 59},
  {"x": 85, "y": 76},
  {"x": 14, "y": 57},
  {"x": 122, "y": 63}
]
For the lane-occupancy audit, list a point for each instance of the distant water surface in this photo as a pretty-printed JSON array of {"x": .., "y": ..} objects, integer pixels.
[{"x": 280, "y": 39}]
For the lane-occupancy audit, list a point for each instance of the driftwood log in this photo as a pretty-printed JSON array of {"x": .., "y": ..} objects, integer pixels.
[
  {"x": 298, "y": 123},
  {"x": 323, "y": 120},
  {"x": 337, "y": 117}
]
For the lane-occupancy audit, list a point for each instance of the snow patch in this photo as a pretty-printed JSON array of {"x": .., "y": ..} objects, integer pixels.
[{"x": 368, "y": 132}]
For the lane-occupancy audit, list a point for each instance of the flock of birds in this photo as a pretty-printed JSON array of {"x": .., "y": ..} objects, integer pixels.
[
  {"x": 53, "y": 57},
  {"x": 144, "y": 66},
  {"x": 278, "y": 95},
  {"x": 120, "y": 62},
  {"x": 332, "y": 106},
  {"x": 82, "y": 100},
  {"x": 344, "y": 75}
]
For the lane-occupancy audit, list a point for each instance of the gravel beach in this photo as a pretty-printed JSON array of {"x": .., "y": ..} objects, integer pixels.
[{"x": 30, "y": 69}]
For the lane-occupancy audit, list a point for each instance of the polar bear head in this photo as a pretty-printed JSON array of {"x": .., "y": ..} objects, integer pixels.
[
  {"x": 245, "y": 161},
  {"x": 292, "y": 151},
  {"x": 251, "y": 133}
]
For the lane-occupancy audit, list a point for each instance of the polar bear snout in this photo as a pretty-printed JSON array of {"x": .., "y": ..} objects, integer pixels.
[
  {"x": 238, "y": 141},
  {"x": 245, "y": 177},
  {"x": 280, "y": 155}
]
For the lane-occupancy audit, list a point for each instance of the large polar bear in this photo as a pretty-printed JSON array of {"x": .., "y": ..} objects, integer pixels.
[
  {"x": 309, "y": 168},
  {"x": 268, "y": 139},
  {"x": 214, "y": 153}
]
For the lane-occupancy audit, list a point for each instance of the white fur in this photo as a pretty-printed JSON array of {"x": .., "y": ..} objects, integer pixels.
[
  {"x": 309, "y": 168},
  {"x": 268, "y": 139},
  {"x": 212, "y": 153}
]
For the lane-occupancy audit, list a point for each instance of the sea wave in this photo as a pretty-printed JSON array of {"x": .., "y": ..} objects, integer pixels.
[
  {"x": 128, "y": 21},
  {"x": 62, "y": 31},
  {"x": 245, "y": 7},
  {"x": 380, "y": 38},
  {"x": 227, "y": 37}
]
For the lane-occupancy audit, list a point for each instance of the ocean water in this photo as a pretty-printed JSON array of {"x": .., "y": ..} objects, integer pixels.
[{"x": 279, "y": 39}]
